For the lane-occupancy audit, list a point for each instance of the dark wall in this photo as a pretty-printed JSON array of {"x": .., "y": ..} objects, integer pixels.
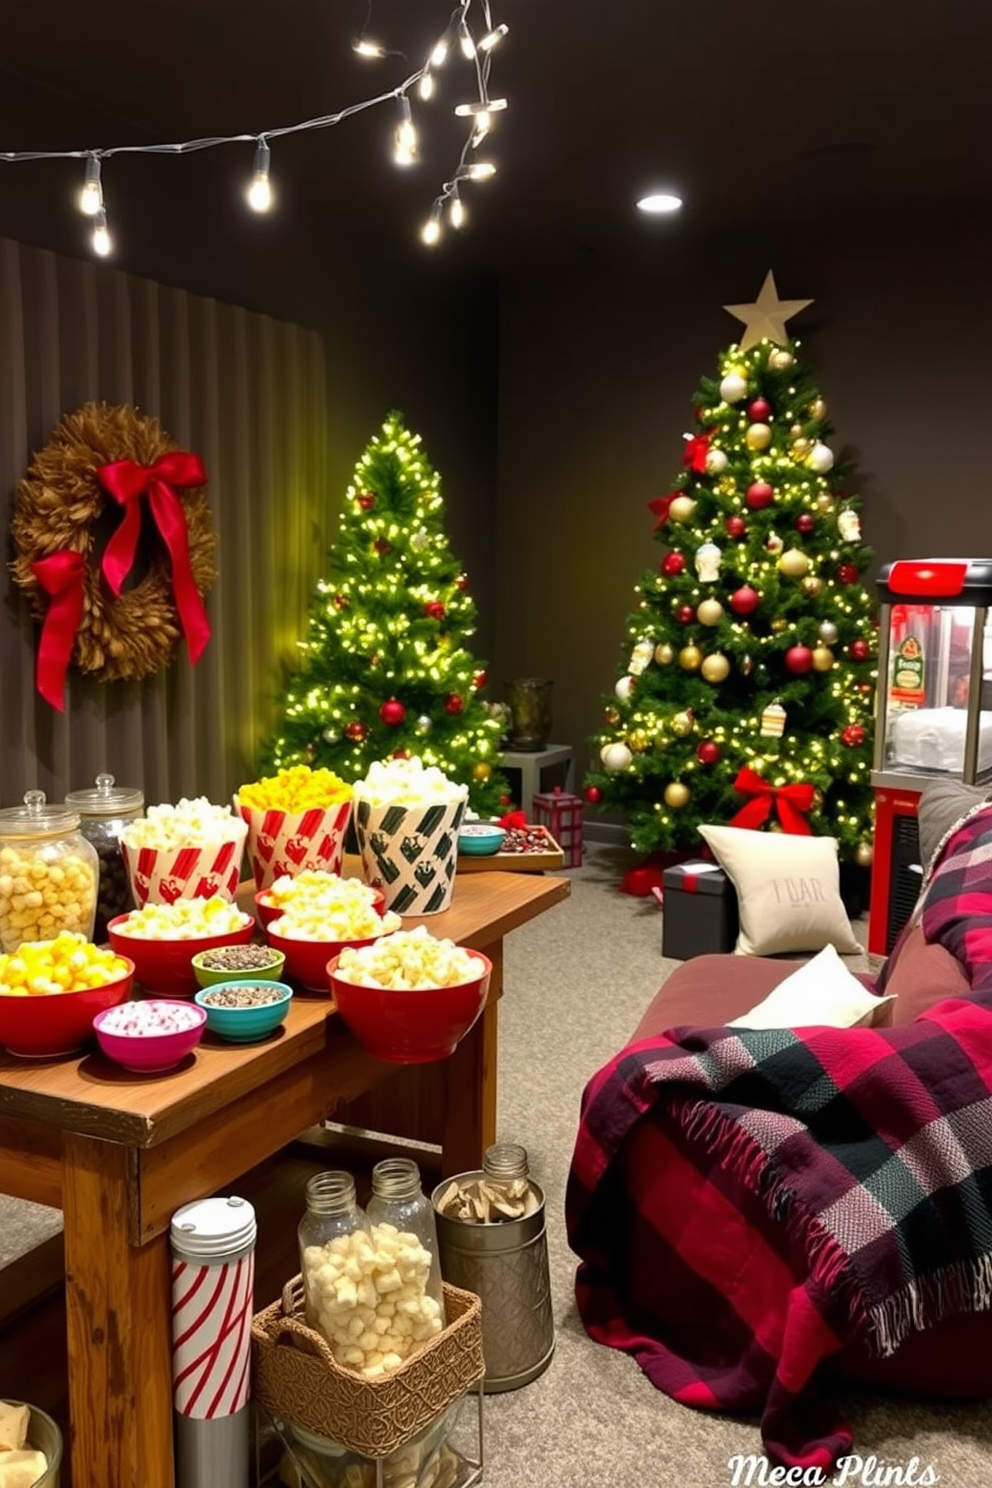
[{"x": 597, "y": 369}]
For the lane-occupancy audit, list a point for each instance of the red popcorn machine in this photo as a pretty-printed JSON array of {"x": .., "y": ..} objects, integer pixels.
[{"x": 933, "y": 716}]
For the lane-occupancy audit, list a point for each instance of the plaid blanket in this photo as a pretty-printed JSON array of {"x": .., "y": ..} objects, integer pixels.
[{"x": 745, "y": 1203}]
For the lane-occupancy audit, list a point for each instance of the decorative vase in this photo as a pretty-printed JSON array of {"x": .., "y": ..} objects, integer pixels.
[{"x": 530, "y": 712}]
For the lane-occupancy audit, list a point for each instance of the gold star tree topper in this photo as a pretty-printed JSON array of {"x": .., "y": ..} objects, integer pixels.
[{"x": 765, "y": 319}]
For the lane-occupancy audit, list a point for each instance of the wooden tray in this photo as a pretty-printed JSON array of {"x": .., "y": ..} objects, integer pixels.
[{"x": 531, "y": 862}]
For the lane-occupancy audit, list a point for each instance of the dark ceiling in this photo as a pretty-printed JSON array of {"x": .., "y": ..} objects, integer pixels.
[{"x": 757, "y": 113}]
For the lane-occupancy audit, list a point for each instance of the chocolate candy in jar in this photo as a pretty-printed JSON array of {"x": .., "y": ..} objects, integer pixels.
[
  {"x": 48, "y": 873},
  {"x": 104, "y": 812}
]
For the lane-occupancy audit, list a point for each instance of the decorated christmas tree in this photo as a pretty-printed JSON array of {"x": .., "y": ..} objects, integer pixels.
[
  {"x": 745, "y": 693},
  {"x": 386, "y": 670}
]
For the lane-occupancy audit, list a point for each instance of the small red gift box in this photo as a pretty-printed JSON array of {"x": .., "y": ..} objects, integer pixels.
[{"x": 561, "y": 813}]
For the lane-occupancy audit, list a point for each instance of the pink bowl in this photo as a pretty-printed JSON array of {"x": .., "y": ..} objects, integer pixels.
[
  {"x": 150, "y": 1053},
  {"x": 57, "y": 1023},
  {"x": 166, "y": 966},
  {"x": 410, "y": 1027},
  {"x": 269, "y": 912},
  {"x": 306, "y": 960}
]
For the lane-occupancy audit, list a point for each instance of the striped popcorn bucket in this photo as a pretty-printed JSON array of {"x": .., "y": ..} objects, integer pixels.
[
  {"x": 287, "y": 842},
  {"x": 411, "y": 853},
  {"x": 213, "y": 1271},
  {"x": 161, "y": 875}
]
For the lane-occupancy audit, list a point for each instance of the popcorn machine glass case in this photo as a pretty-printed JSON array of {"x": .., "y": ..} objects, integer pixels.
[{"x": 934, "y": 709}]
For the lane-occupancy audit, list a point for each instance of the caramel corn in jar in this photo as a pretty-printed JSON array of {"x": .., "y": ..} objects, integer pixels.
[{"x": 48, "y": 873}]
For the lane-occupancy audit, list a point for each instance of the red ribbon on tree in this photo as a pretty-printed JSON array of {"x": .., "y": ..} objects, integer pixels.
[
  {"x": 661, "y": 506},
  {"x": 127, "y": 481},
  {"x": 789, "y": 801},
  {"x": 61, "y": 577},
  {"x": 695, "y": 452}
]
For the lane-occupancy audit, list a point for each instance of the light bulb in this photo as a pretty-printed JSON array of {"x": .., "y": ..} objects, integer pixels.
[
  {"x": 91, "y": 196},
  {"x": 481, "y": 106},
  {"x": 364, "y": 46},
  {"x": 431, "y": 230},
  {"x": 456, "y": 212},
  {"x": 260, "y": 190},
  {"x": 426, "y": 85},
  {"x": 465, "y": 41},
  {"x": 102, "y": 244},
  {"x": 440, "y": 53},
  {"x": 481, "y": 170},
  {"x": 493, "y": 38},
  {"x": 405, "y": 152}
]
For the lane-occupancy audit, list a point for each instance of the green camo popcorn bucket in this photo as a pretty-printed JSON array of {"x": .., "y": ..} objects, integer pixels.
[{"x": 410, "y": 852}]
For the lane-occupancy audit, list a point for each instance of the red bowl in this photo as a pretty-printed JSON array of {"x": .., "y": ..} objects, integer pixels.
[
  {"x": 57, "y": 1023},
  {"x": 269, "y": 912},
  {"x": 306, "y": 960},
  {"x": 166, "y": 966},
  {"x": 150, "y": 1054},
  {"x": 411, "y": 1027}
]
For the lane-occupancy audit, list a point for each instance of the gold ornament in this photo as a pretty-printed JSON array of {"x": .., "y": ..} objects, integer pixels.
[
  {"x": 638, "y": 741},
  {"x": 801, "y": 448},
  {"x": 778, "y": 624},
  {"x": 709, "y": 612},
  {"x": 765, "y": 319},
  {"x": 825, "y": 502},
  {"x": 781, "y": 361},
  {"x": 682, "y": 724},
  {"x": 818, "y": 409},
  {"x": 716, "y": 668},
  {"x": 828, "y": 632},
  {"x": 793, "y": 563},
  {"x": 796, "y": 431},
  {"x": 746, "y": 665},
  {"x": 773, "y": 720},
  {"x": 482, "y": 771},
  {"x": 664, "y": 654},
  {"x": 758, "y": 437},
  {"x": 817, "y": 804},
  {"x": 823, "y": 658},
  {"x": 611, "y": 716},
  {"x": 681, "y": 509},
  {"x": 726, "y": 485},
  {"x": 676, "y": 795},
  {"x": 690, "y": 658},
  {"x": 812, "y": 586},
  {"x": 864, "y": 854}
]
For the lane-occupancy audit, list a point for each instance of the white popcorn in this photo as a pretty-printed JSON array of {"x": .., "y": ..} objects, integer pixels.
[
  {"x": 184, "y": 919},
  {"x": 407, "y": 782},
  {"x": 189, "y": 823},
  {"x": 407, "y": 960}
]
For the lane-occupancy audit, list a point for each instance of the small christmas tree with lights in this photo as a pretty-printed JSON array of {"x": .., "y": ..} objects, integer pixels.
[
  {"x": 745, "y": 694},
  {"x": 386, "y": 668}
]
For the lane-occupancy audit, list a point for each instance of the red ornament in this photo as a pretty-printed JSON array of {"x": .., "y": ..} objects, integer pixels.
[
  {"x": 506, "y": 800},
  {"x": 355, "y": 731},
  {"x": 799, "y": 659},
  {"x": 392, "y": 712},
  {"x": 853, "y": 735},
  {"x": 382, "y": 547},
  {"x": 760, "y": 411},
  {"x": 462, "y": 581},
  {"x": 860, "y": 650},
  {"x": 480, "y": 679},
  {"x": 759, "y": 495},
  {"x": 434, "y": 609},
  {"x": 366, "y": 501},
  {"x": 453, "y": 703},
  {"x": 685, "y": 614},
  {"x": 402, "y": 754},
  {"x": 745, "y": 600},
  {"x": 736, "y": 527},
  {"x": 805, "y": 522},
  {"x": 592, "y": 794},
  {"x": 672, "y": 564},
  {"x": 708, "y": 753},
  {"x": 847, "y": 573},
  {"x": 339, "y": 602}
]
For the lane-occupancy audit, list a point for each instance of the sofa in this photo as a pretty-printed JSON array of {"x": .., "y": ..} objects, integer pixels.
[{"x": 701, "y": 1261}]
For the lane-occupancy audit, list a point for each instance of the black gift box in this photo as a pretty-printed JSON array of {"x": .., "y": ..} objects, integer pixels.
[{"x": 699, "y": 913}]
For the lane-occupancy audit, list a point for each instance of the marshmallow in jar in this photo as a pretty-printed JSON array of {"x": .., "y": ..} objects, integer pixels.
[
  {"x": 48, "y": 873},
  {"x": 407, "y": 817}
]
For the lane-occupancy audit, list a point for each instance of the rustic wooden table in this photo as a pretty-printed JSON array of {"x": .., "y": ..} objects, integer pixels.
[{"x": 120, "y": 1153}]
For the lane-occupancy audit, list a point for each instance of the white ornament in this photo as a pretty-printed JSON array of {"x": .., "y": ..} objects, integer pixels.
[
  {"x": 419, "y": 539},
  {"x": 773, "y": 720},
  {"x": 820, "y": 458},
  {"x": 849, "y": 525},
  {"x": 424, "y": 724},
  {"x": 733, "y": 387},
  {"x": 640, "y": 657},
  {"x": 708, "y": 558},
  {"x": 624, "y": 688},
  {"x": 615, "y": 757},
  {"x": 716, "y": 461}
]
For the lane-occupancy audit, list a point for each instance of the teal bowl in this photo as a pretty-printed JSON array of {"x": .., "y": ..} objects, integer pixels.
[
  {"x": 243, "y": 1025},
  {"x": 480, "y": 839}
]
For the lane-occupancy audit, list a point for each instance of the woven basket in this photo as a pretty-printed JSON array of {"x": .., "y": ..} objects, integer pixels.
[{"x": 295, "y": 1376}]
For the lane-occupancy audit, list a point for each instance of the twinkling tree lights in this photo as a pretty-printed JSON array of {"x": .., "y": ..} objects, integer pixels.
[
  {"x": 746, "y": 689},
  {"x": 386, "y": 669}
]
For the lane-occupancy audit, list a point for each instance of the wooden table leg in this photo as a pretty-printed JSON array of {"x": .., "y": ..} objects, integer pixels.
[
  {"x": 118, "y": 1305},
  {"x": 468, "y": 1121}
]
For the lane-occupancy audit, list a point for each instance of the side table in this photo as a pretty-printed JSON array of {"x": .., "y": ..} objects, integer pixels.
[{"x": 532, "y": 764}]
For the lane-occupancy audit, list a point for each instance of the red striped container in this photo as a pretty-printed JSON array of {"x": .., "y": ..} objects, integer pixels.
[
  {"x": 161, "y": 875},
  {"x": 284, "y": 843}
]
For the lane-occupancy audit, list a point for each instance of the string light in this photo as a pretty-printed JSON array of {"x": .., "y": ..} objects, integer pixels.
[{"x": 259, "y": 193}]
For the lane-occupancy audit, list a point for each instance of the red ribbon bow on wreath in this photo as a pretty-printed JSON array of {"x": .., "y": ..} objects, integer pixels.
[
  {"x": 61, "y": 577},
  {"x": 127, "y": 481},
  {"x": 789, "y": 801}
]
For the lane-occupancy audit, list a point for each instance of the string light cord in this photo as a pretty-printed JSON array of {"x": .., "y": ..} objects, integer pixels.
[{"x": 91, "y": 197}]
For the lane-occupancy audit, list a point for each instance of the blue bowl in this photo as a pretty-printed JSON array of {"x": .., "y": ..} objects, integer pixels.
[
  {"x": 479, "y": 839},
  {"x": 242, "y": 1025}
]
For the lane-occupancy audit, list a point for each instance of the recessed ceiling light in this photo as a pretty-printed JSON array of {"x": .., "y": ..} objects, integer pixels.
[{"x": 658, "y": 202}]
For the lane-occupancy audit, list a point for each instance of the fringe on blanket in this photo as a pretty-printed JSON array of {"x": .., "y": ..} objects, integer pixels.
[{"x": 965, "y": 1287}]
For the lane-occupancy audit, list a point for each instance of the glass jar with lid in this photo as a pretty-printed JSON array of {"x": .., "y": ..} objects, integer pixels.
[
  {"x": 104, "y": 812},
  {"x": 48, "y": 873},
  {"x": 399, "y": 1200},
  {"x": 333, "y": 1212}
]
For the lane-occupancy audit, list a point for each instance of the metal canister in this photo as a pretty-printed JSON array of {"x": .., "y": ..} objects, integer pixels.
[{"x": 506, "y": 1265}]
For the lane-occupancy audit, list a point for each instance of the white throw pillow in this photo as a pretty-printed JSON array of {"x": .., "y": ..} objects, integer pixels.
[
  {"x": 823, "y": 992},
  {"x": 788, "y": 890}
]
